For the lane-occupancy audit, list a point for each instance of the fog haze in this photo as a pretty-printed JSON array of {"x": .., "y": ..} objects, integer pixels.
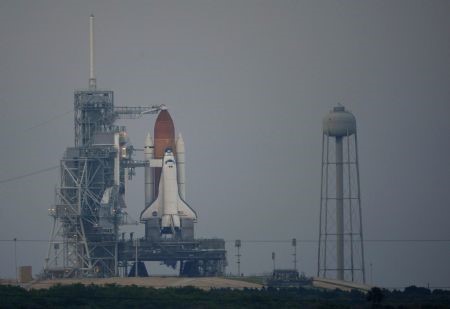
[{"x": 247, "y": 84}]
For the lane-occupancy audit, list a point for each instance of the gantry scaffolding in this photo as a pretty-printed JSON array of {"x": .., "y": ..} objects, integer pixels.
[{"x": 89, "y": 204}]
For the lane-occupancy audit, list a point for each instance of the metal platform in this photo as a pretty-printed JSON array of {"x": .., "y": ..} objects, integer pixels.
[{"x": 201, "y": 257}]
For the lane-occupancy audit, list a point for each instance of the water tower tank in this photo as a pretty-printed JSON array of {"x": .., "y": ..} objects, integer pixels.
[{"x": 339, "y": 122}]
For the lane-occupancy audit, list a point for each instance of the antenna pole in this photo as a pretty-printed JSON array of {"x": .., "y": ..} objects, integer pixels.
[{"x": 92, "y": 80}]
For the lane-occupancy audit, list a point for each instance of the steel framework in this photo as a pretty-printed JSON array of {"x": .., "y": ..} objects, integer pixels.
[
  {"x": 341, "y": 249},
  {"x": 89, "y": 203},
  {"x": 199, "y": 257}
]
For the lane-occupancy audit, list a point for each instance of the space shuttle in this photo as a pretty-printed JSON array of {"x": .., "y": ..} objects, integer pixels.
[
  {"x": 166, "y": 213},
  {"x": 169, "y": 206}
]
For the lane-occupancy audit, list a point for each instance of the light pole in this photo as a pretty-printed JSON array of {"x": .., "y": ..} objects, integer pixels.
[
  {"x": 294, "y": 244},
  {"x": 273, "y": 260},
  {"x": 237, "y": 244},
  {"x": 15, "y": 257},
  {"x": 56, "y": 247},
  {"x": 136, "y": 243}
]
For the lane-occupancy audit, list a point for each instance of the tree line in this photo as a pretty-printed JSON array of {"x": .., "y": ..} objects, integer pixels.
[{"x": 113, "y": 296}]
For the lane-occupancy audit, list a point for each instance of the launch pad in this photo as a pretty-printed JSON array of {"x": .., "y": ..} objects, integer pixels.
[
  {"x": 90, "y": 198},
  {"x": 200, "y": 257}
]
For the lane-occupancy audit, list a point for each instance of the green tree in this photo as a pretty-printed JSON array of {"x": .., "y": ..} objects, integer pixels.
[{"x": 375, "y": 295}]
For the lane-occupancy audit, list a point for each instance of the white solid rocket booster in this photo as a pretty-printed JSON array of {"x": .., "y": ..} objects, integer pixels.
[
  {"x": 181, "y": 167},
  {"x": 148, "y": 174}
]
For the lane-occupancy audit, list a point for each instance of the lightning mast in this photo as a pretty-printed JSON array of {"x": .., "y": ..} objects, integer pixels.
[{"x": 92, "y": 80}]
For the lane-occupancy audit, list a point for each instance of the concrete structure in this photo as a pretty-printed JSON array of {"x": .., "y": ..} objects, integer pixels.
[
  {"x": 340, "y": 200},
  {"x": 25, "y": 274},
  {"x": 332, "y": 284},
  {"x": 205, "y": 283},
  {"x": 285, "y": 278}
]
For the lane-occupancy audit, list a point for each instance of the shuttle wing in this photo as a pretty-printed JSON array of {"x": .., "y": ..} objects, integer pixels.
[
  {"x": 154, "y": 210},
  {"x": 185, "y": 211}
]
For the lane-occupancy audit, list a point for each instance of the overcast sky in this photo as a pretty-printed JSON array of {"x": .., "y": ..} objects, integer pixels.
[{"x": 247, "y": 84}]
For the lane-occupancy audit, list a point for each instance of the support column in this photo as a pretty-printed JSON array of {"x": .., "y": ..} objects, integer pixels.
[{"x": 339, "y": 209}]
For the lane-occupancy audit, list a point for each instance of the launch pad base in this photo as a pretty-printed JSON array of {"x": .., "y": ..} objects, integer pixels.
[{"x": 200, "y": 257}]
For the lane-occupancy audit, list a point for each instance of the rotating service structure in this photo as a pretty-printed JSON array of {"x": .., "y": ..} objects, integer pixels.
[{"x": 341, "y": 248}]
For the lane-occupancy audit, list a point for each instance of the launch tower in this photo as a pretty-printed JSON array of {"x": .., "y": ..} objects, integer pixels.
[{"x": 341, "y": 250}]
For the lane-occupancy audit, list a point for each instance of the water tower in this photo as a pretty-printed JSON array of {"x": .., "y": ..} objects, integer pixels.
[{"x": 341, "y": 250}]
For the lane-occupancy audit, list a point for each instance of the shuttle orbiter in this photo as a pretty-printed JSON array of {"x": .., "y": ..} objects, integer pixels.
[{"x": 169, "y": 206}]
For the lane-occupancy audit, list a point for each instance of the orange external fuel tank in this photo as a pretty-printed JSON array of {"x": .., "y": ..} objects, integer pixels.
[{"x": 164, "y": 137}]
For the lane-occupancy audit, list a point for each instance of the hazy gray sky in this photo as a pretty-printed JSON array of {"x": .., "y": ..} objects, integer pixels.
[{"x": 247, "y": 84}]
